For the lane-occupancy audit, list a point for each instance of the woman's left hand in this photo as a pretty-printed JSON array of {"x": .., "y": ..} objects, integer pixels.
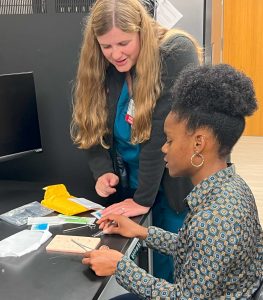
[
  {"x": 103, "y": 261},
  {"x": 127, "y": 207}
]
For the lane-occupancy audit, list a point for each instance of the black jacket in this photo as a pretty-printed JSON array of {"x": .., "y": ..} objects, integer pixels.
[{"x": 152, "y": 172}]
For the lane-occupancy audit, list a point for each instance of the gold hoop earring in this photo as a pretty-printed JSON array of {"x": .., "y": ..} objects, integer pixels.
[{"x": 197, "y": 155}]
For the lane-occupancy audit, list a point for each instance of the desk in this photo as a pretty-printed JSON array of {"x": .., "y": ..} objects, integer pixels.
[{"x": 48, "y": 276}]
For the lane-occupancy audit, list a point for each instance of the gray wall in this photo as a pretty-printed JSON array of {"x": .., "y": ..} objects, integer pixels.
[
  {"x": 47, "y": 44},
  {"x": 197, "y": 21}
]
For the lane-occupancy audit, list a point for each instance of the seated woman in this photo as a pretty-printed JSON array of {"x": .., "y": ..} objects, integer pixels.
[{"x": 218, "y": 253}]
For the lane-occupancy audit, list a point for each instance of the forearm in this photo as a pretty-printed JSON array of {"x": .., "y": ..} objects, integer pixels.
[
  {"x": 99, "y": 161},
  {"x": 163, "y": 241},
  {"x": 152, "y": 164},
  {"x": 139, "y": 282},
  {"x": 181, "y": 53}
]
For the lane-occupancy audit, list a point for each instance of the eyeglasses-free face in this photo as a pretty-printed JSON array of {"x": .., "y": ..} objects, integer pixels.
[{"x": 120, "y": 48}]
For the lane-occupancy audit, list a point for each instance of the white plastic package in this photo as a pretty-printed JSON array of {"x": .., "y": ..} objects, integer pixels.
[{"x": 23, "y": 242}]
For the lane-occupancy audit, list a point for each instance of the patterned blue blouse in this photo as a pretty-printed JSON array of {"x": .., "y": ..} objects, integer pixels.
[{"x": 218, "y": 253}]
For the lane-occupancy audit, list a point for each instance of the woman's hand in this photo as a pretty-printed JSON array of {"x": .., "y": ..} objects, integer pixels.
[
  {"x": 103, "y": 261},
  {"x": 127, "y": 207},
  {"x": 106, "y": 183},
  {"x": 117, "y": 224}
]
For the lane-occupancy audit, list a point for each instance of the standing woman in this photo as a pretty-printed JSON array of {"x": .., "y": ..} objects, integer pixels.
[{"x": 127, "y": 65}]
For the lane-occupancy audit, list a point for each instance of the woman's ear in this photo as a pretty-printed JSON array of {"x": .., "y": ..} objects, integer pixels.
[{"x": 199, "y": 142}]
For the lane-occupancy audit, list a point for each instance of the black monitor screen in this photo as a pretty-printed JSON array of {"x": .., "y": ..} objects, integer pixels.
[{"x": 19, "y": 126}]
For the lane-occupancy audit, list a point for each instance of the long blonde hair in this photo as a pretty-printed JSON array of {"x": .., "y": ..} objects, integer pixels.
[{"x": 89, "y": 122}]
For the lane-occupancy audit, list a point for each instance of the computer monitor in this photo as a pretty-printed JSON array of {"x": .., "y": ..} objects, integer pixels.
[{"x": 19, "y": 125}]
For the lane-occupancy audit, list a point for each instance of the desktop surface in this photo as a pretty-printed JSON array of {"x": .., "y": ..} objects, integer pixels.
[{"x": 40, "y": 275}]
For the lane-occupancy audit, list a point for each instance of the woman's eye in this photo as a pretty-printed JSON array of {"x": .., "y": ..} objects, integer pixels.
[
  {"x": 105, "y": 46},
  {"x": 123, "y": 44},
  {"x": 168, "y": 142}
]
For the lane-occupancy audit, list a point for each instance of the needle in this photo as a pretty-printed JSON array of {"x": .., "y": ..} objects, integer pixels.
[{"x": 84, "y": 247}]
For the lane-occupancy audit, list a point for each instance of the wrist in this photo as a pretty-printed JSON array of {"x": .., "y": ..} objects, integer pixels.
[
  {"x": 119, "y": 258},
  {"x": 142, "y": 233}
]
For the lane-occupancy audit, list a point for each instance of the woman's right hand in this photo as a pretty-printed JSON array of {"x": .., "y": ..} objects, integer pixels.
[
  {"x": 118, "y": 224},
  {"x": 106, "y": 183}
]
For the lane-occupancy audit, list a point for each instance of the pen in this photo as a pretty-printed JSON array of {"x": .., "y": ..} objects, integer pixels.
[{"x": 84, "y": 247}]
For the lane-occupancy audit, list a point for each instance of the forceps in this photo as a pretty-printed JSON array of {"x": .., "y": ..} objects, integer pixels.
[
  {"x": 91, "y": 226},
  {"x": 84, "y": 247}
]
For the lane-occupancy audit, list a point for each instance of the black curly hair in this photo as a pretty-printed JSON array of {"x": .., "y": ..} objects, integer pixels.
[{"x": 218, "y": 97}]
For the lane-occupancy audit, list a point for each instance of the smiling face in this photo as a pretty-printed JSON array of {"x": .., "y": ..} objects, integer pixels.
[
  {"x": 120, "y": 48},
  {"x": 178, "y": 148}
]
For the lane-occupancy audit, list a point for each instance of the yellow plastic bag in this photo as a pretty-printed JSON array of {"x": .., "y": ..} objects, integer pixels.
[{"x": 56, "y": 198}]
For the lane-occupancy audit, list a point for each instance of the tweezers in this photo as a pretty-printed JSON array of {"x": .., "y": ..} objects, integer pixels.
[
  {"x": 84, "y": 247},
  {"x": 100, "y": 233},
  {"x": 75, "y": 228}
]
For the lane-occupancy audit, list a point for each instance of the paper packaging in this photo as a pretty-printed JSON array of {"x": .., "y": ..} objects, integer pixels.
[
  {"x": 87, "y": 203},
  {"x": 23, "y": 242},
  {"x": 61, "y": 219},
  {"x": 52, "y": 220}
]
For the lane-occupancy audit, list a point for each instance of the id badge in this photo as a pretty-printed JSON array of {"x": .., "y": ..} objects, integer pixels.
[{"x": 130, "y": 112}]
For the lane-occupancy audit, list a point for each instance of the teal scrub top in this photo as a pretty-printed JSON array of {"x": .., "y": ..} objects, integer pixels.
[{"x": 122, "y": 136}]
